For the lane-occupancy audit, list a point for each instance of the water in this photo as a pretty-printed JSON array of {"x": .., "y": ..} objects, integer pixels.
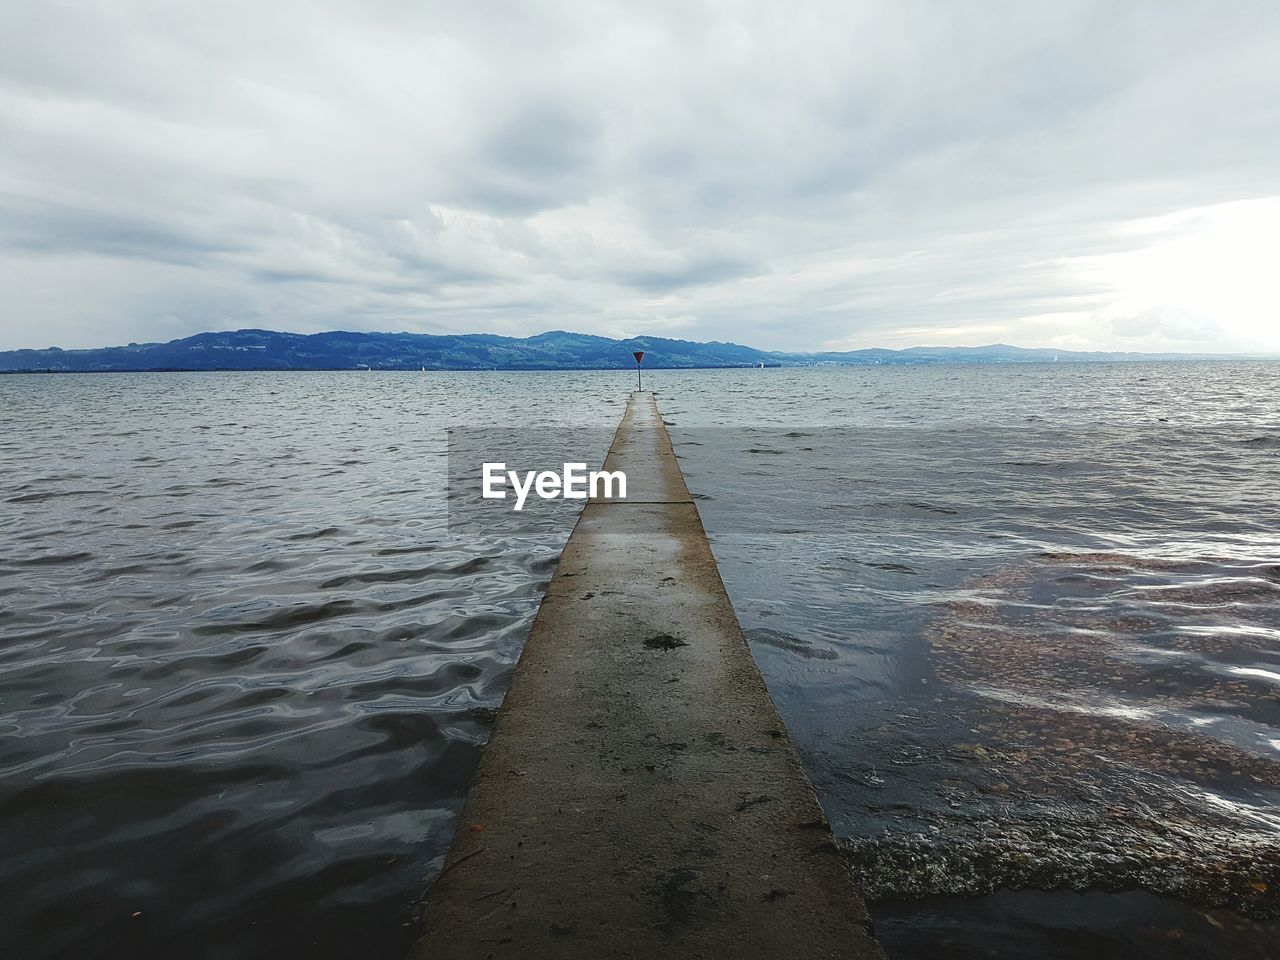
[
  {"x": 245, "y": 672},
  {"x": 1023, "y": 622}
]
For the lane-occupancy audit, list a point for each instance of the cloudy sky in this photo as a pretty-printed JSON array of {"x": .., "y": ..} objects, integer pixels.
[{"x": 827, "y": 174}]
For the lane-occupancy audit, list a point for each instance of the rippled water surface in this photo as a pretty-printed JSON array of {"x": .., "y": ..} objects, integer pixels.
[
  {"x": 1024, "y": 623},
  {"x": 245, "y": 671}
]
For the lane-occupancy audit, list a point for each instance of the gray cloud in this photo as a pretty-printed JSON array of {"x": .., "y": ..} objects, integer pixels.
[{"x": 840, "y": 173}]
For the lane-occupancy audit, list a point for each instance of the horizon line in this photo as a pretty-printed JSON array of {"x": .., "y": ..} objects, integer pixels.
[{"x": 640, "y": 337}]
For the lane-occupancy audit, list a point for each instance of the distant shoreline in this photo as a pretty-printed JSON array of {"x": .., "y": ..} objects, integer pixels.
[
  {"x": 268, "y": 350},
  {"x": 1167, "y": 358}
]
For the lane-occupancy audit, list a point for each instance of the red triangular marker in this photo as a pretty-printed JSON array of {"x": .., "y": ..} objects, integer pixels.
[{"x": 639, "y": 355}]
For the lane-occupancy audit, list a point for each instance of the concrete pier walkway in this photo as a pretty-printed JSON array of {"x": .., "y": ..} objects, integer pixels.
[{"x": 640, "y": 796}]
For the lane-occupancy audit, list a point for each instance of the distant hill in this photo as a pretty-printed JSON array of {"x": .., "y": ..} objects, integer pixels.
[{"x": 557, "y": 350}]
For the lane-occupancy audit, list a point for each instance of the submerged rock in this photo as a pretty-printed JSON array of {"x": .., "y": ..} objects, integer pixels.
[
  {"x": 972, "y": 859},
  {"x": 1109, "y": 723}
]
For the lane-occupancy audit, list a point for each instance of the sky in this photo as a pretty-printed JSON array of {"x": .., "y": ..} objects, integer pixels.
[{"x": 825, "y": 175}]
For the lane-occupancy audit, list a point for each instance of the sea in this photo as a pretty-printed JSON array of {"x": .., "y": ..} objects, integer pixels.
[{"x": 1022, "y": 622}]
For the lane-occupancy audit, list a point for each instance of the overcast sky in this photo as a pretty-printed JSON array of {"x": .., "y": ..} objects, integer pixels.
[{"x": 823, "y": 174}]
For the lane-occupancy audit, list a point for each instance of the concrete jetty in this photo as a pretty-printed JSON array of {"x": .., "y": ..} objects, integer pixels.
[{"x": 640, "y": 796}]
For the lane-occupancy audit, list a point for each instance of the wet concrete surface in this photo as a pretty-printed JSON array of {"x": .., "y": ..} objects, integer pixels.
[{"x": 640, "y": 795}]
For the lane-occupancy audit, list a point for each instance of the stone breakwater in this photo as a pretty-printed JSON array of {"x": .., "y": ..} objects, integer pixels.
[{"x": 640, "y": 796}]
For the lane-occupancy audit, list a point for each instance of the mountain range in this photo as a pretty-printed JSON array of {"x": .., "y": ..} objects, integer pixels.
[{"x": 556, "y": 350}]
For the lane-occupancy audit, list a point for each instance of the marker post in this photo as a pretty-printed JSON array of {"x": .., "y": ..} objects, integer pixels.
[{"x": 639, "y": 355}]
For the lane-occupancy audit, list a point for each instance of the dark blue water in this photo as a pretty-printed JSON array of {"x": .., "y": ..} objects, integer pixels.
[{"x": 245, "y": 669}]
